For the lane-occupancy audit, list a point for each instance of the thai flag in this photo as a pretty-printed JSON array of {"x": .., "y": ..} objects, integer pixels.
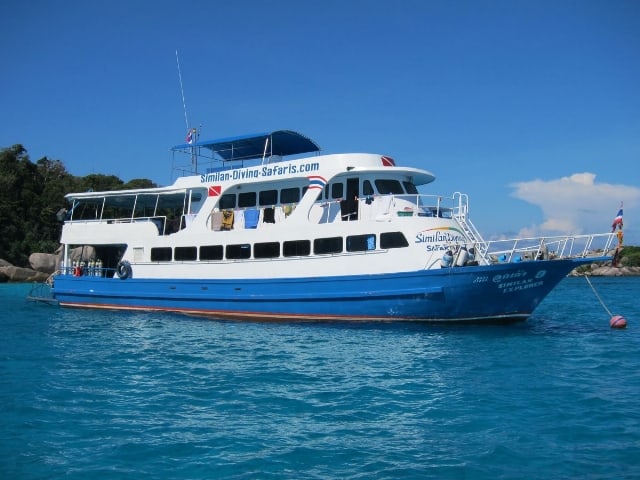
[
  {"x": 190, "y": 137},
  {"x": 316, "y": 182},
  {"x": 617, "y": 222}
]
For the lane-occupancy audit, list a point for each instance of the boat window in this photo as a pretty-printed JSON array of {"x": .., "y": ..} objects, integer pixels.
[
  {"x": 410, "y": 188},
  {"x": 367, "y": 188},
  {"x": 90, "y": 209},
  {"x": 211, "y": 252},
  {"x": 268, "y": 197},
  {"x": 239, "y": 251},
  {"x": 327, "y": 245},
  {"x": 337, "y": 191},
  {"x": 161, "y": 254},
  {"x": 228, "y": 200},
  {"x": 393, "y": 240},
  {"x": 361, "y": 243},
  {"x": 389, "y": 187},
  {"x": 266, "y": 250},
  {"x": 247, "y": 199},
  {"x": 290, "y": 195},
  {"x": 296, "y": 248},
  {"x": 173, "y": 202},
  {"x": 182, "y": 254},
  {"x": 145, "y": 205},
  {"x": 120, "y": 206}
]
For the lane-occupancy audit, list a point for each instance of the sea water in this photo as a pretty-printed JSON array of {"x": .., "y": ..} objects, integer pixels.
[{"x": 115, "y": 395}]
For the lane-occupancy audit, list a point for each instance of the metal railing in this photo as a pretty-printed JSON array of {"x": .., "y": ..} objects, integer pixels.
[{"x": 548, "y": 248}]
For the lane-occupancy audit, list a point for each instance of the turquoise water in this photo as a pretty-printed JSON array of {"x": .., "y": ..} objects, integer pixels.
[{"x": 112, "y": 395}]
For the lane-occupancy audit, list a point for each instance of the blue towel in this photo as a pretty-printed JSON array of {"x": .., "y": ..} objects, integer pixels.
[{"x": 251, "y": 218}]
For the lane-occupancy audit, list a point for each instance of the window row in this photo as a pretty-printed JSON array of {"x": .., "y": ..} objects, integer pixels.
[
  {"x": 264, "y": 198},
  {"x": 333, "y": 190},
  {"x": 291, "y": 248}
]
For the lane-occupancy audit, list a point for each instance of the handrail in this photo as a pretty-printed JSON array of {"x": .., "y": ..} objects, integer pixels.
[{"x": 563, "y": 246}]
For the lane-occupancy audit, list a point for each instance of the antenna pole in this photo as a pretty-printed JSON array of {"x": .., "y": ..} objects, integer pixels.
[
  {"x": 193, "y": 132},
  {"x": 184, "y": 103}
]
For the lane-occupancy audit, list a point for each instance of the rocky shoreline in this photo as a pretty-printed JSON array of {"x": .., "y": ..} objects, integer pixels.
[
  {"x": 597, "y": 270},
  {"x": 43, "y": 265}
]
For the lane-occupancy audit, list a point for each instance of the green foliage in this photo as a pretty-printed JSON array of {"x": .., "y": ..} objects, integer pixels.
[
  {"x": 630, "y": 257},
  {"x": 30, "y": 196}
]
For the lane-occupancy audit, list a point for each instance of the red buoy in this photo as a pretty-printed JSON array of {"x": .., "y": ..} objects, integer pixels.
[{"x": 618, "y": 321}]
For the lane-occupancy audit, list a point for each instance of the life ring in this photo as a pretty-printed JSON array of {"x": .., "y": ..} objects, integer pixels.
[{"x": 123, "y": 270}]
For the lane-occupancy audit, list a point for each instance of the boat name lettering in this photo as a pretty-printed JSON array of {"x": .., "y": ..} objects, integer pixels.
[
  {"x": 509, "y": 276},
  {"x": 520, "y": 285},
  {"x": 438, "y": 247},
  {"x": 438, "y": 237},
  {"x": 257, "y": 172}
]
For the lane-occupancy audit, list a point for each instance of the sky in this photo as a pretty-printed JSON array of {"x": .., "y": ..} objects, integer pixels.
[{"x": 532, "y": 108}]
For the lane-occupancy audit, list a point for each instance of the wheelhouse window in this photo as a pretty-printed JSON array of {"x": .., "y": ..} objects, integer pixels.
[
  {"x": 334, "y": 191},
  {"x": 410, "y": 188},
  {"x": 367, "y": 188},
  {"x": 289, "y": 195},
  {"x": 393, "y": 240},
  {"x": 327, "y": 245},
  {"x": 227, "y": 201},
  {"x": 268, "y": 198},
  {"x": 247, "y": 199},
  {"x": 389, "y": 187}
]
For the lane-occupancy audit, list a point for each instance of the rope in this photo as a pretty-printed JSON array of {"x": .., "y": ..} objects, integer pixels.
[{"x": 586, "y": 277}]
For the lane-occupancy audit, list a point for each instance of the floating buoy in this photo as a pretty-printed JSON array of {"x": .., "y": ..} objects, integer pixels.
[{"x": 618, "y": 321}]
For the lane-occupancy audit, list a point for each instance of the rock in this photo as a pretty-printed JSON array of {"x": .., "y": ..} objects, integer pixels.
[
  {"x": 44, "y": 262},
  {"x": 4, "y": 263},
  {"x": 81, "y": 254},
  {"x": 19, "y": 274},
  {"x": 599, "y": 270}
]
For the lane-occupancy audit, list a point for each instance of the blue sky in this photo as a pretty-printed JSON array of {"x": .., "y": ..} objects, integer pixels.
[{"x": 530, "y": 107}]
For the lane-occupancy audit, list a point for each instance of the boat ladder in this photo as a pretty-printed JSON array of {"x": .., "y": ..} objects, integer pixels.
[{"x": 461, "y": 214}]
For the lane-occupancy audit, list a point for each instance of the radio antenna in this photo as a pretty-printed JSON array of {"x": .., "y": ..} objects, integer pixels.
[{"x": 184, "y": 103}]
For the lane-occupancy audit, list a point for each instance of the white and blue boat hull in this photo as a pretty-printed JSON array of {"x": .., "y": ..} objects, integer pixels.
[{"x": 503, "y": 292}]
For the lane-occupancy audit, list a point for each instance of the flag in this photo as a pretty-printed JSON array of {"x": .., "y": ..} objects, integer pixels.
[
  {"x": 190, "y": 136},
  {"x": 388, "y": 161},
  {"x": 617, "y": 222}
]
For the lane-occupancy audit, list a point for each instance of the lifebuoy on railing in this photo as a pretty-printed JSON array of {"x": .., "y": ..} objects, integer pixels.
[{"x": 123, "y": 270}]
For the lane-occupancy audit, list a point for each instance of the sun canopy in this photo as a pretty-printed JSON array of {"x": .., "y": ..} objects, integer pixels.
[{"x": 246, "y": 147}]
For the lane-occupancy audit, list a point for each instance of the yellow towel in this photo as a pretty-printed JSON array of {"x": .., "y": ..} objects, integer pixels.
[{"x": 227, "y": 220}]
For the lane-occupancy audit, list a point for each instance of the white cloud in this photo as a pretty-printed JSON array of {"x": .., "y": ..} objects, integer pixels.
[{"x": 575, "y": 204}]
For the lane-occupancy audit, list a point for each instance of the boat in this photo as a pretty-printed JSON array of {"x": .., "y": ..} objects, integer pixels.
[{"x": 269, "y": 227}]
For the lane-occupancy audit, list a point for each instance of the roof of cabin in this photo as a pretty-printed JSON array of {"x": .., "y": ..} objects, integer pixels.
[{"x": 246, "y": 147}]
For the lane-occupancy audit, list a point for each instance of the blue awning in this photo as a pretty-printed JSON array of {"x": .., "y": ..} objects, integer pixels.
[{"x": 246, "y": 147}]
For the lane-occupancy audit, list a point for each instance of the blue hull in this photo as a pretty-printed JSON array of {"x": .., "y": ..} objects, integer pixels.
[{"x": 503, "y": 292}]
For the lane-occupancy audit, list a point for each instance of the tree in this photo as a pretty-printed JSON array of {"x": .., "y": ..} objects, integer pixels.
[{"x": 32, "y": 194}]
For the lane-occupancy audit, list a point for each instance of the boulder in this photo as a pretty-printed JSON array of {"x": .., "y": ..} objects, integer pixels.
[
  {"x": 82, "y": 254},
  {"x": 44, "y": 262},
  {"x": 19, "y": 274}
]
